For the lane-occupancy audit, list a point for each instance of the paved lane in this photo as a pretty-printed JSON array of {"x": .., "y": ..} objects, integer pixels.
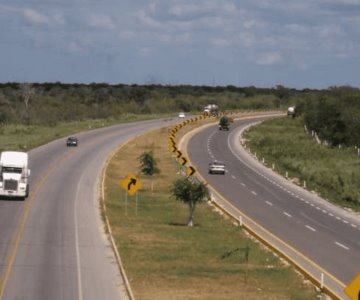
[
  {"x": 319, "y": 231},
  {"x": 53, "y": 244}
]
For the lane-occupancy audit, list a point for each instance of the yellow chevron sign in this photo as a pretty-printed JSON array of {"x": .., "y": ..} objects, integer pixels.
[{"x": 353, "y": 289}]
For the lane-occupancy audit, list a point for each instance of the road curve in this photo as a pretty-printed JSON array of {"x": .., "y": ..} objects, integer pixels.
[
  {"x": 322, "y": 238},
  {"x": 53, "y": 245}
]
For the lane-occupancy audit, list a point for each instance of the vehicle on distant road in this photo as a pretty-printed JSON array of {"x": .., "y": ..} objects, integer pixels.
[
  {"x": 182, "y": 115},
  {"x": 224, "y": 123},
  {"x": 72, "y": 141},
  {"x": 217, "y": 167},
  {"x": 211, "y": 109},
  {"x": 291, "y": 111},
  {"x": 14, "y": 173}
]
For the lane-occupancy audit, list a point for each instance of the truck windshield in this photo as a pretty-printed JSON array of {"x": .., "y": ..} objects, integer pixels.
[{"x": 11, "y": 170}]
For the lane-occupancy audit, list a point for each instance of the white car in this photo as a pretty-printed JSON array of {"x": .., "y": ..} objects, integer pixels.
[
  {"x": 216, "y": 167},
  {"x": 182, "y": 115}
]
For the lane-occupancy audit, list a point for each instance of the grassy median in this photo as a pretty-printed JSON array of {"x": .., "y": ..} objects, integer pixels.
[{"x": 165, "y": 259}]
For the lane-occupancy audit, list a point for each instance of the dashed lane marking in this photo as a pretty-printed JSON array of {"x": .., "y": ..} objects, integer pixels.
[
  {"x": 287, "y": 214},
  {"x": 310, "y": 228},
  {"x": 342, "y": 246}
]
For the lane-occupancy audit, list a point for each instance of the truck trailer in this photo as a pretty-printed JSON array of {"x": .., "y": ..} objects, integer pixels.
[{"x": 14, "y": 173}]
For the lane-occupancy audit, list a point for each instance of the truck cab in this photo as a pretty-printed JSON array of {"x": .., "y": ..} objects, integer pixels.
[
  {"x": 224, "y": 123},
  {"x": 14, "y": 173}
]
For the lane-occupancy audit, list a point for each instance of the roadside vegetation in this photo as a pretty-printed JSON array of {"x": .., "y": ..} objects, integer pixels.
[
  {"x": 332, "y": 172},
  {"x": 166, "y": 259},
  {"x": 22, "y": 137}
]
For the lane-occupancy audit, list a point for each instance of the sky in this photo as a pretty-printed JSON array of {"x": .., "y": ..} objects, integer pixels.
[{"x": 263, "y": 43}]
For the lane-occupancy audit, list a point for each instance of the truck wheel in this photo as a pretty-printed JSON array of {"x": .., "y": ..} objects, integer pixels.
[{"x": 27, "y": 191}]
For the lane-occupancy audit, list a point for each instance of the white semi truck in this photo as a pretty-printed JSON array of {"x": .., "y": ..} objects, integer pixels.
[{"x": 14, "y": 173}]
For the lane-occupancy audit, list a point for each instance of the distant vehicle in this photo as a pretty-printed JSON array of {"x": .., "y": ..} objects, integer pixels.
[
  {"x": 211, "y": 109},
  {"x": 224, "y": 123},
  {"x": 291, "y": 111},
  {"x": 72, "y": 141},
  {"x": 182, "y": 115},
  {"x": 216, "y": 167},
  {"x": 14, "y": 173}
]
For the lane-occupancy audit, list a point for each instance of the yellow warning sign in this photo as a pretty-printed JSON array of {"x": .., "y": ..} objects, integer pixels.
[
  {"x": 353, "y": 289},
  {"x": 131, "y": 184}
]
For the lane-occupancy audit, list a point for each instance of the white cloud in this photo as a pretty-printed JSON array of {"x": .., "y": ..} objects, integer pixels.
[
  {"x": 102, "y": 22},
  {"x": 35, "y": 17},
  {"x": 181, "y": 9},
  {"x": 146, "y": 20},
  {"x": 221, "y": 42},
  {"x": 73, "y": 47},
  {"x": 268, "y": 59}
]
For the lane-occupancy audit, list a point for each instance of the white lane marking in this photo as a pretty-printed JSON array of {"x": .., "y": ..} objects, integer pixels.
[
  {"x": 346, "y": 222},
  {"x": 254, "y": 193},
  {"x": 243, "y": 184},
  {"x": 331, "y": 215},
  {"x": 233, "y": 177},
  {"x": 77, "y": 247},
  {"x": 341, "y": 245},
  {"x": 287, "y": 214},
  {"x": 269, "y": 203},
  {"x": 353, "y": 225},
  {"x": 310, "y": 228}
]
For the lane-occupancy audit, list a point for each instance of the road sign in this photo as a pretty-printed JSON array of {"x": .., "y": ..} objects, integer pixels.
[
  {"x": 178, "y": 153},
  {"x": 190, "y": 171},
  {"x": 131, "y": 184},
  {"x": 183, "y": 161},
  {"x": 172, "y": 140},
  {"x": 353, "y": 289}
]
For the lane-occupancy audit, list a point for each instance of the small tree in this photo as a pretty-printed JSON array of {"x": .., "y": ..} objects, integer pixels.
[
  {"x": 27, "y": 91},
  {"x": 148, "y": 165},
  {"x": 191, "y": 193}
]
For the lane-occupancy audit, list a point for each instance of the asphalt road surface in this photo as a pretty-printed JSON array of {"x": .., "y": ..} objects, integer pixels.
[
  {"x": 321, "y": 237},
  {"x": 53, "y": 244}
]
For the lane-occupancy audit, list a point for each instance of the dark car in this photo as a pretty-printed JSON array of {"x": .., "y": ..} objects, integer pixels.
[{"x": 72, "y": 141}]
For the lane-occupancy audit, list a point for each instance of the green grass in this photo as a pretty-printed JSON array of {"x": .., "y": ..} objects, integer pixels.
[
  {"x": 332, "y": 172},
  {"x": 165, "y": 259}
]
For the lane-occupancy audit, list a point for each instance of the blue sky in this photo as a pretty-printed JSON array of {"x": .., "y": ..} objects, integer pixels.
[{"x": 298, "y": 44}]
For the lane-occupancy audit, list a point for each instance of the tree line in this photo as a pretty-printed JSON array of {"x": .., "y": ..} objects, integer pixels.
[
  {"x": 49, "y": 103},
  {"x": 333, "y": 113}
]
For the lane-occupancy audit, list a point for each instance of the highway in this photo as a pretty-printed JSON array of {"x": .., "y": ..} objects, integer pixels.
[
  {"x": 53, "y": 244},
  {"x": 322, "y": 238}
]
